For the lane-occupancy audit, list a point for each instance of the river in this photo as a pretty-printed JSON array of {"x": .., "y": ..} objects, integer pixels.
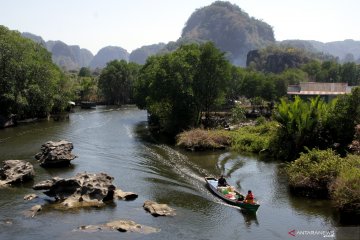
[{"x": 117, "y": 141}]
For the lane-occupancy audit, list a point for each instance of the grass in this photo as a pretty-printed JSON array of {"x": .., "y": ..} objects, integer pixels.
[
  {"x": 199, "y": 139},
  {"x": 245, "y": 139}
]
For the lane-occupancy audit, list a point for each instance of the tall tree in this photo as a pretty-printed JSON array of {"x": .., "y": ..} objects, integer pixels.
[
  {"x": 30, "y": 84},
  {"x": 176, "y": 87},
  {"x": 211, "y": 77},
  {"x": 116, "y": 80}
]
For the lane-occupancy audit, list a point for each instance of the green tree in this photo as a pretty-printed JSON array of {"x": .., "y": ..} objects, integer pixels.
[
  {"x": 116, "y": 81},
  {"x": 234, "y": 85},
  {"x": 164, "y": 88},
  {"x": 350, "y": 73},
  {"x": 211, "y": 77},
  {"x": 343, "y": 116},
  {"x": 84, "y": 72},
  {"x": 176, "y": 87},
  {"x": 29, "y": 82}
]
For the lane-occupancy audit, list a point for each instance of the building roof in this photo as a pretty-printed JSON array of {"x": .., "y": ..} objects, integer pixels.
[{"x": 315, "y": 88}]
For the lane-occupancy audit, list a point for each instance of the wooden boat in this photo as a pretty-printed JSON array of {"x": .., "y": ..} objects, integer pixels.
[
  {"x": 87, "y": 105},
  {"x": 212, "y": 183}
]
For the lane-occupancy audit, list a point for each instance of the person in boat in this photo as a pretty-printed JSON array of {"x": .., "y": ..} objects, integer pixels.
[
  {"x": 222, "y": 182},
  {"x": 240, "y": 198},
  {"x": 249, "y": 197}
]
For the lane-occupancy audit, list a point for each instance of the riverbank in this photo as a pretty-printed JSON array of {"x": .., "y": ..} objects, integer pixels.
[
  {"x": 116, "y": 141},
  {"x": 316, "y": 174},
  {"x": 254, "y": 139}
]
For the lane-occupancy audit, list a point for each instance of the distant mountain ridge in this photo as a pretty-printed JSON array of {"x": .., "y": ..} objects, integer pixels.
[
  {"x": 227, "y": 25},
  {"x": 72, "y": 57},
  {"x": 347, "y": 50},
  {"x": 68, "y": 57},
  {"x": 140, "y": 55},
  {"x": 108, "y": 54}
]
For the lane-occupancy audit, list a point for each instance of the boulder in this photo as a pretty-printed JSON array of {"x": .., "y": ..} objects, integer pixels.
[
  {"x": 121, "y": 226},
  {"x": 6, "y": 222},
  {"x": 82, "y": 190},
  {"x": 32, "y": 212},
  {"x": 125, "y": 195},
  {"x": 157, "y": 209},
  {"x": 16, "y": 171},
  {"x": 30, "y": 197},
  {"x": 55, "y": 154}
]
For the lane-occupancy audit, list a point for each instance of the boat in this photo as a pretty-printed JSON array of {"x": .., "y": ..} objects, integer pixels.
[
  {"x": 230, "y": 197},
  {"x": 88, "y": 104}
]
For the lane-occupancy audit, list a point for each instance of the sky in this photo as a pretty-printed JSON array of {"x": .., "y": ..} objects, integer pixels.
[{"x": 130, "y": 24}]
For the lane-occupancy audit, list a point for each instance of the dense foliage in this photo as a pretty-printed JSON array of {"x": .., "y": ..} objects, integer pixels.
[
  {"x": 345, "y": 190},
  {"x": 176, "y": 87},
  {"x": 300, "y": 122},
  {"x": 326, "y": 173},
  {"x": 30, "y": 84},
  {"x": 315, "y": 123},
  {"x": 254, "y": 139},
  {"x": 116, "y": 82},
  {"x": 315, "y": 170}
]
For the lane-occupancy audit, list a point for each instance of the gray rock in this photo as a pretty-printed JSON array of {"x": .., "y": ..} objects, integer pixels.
[
  {"x": 16, "y": 171},
  {"x": 125, "y": 195},
  {"x": 82, "y": 190},
  {"x": 30, "y": 197},
  {"x": 32, "y": 212},
  {"x": 157, "y": 209},
  {"x": 55, "y": 154},
  {"x": 121, "y": 226}
]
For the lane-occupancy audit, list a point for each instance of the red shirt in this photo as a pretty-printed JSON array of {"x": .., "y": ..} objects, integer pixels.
[{"x": 249, "y": 196}]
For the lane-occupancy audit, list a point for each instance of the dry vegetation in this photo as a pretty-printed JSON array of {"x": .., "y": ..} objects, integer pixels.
[{"x": 199, "y": 139}]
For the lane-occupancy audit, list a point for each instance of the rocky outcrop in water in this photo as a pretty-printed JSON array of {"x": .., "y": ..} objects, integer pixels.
[
  {"x": 7, "y": 121},
  {"x": 121, "y": 226},
  {"x": 55, "y": 154},
  {"x": 32, "y": 212},
  {"x": 157, "y": 209},
  {"x": 82, "y": 190},
  {"x": 125, "y": 195},
  {"x": 16, "y": 171},
  {"x": 30, "y": 197}
]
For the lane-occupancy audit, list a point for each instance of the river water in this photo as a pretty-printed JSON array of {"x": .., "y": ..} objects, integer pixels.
[{"x": 117, "y": 141}]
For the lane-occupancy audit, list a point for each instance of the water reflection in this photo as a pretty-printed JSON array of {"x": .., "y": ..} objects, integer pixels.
[{"x": 250, "y": 218}]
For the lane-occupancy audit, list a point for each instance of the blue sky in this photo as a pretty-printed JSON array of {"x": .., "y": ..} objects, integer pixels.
[{"x": 93, "y": 24}]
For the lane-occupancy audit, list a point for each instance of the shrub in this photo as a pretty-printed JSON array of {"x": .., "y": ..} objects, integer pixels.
[
  {"x": 346, "y": 189},
  {"x": 237, "y": 114},
  {"x": 315, "y": 170},
  {"x": 253, "y": 138},
  {"x": 199, "y": 139}
]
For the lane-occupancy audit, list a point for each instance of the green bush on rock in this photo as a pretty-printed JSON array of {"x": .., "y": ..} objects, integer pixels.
[
  {"x": 345, "y": 190},
  {"x": 314, "y": 171}
]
